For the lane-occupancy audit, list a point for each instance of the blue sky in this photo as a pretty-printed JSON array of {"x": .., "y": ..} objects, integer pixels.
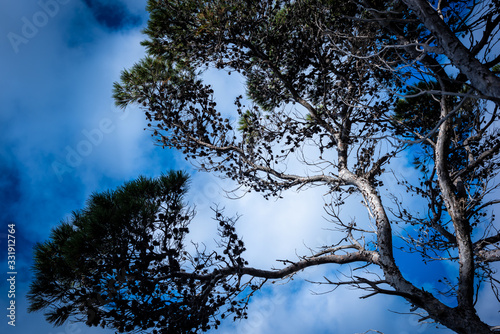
[{"x": 62, "y": 139}]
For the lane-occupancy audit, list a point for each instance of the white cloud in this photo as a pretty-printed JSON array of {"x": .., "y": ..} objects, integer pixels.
[
  {"x": 281, "y": 229},
  {"x": 294, "y": 308}
]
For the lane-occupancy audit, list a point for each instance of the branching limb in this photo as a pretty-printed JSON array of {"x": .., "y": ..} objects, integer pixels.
[{"x": 479, "y": 75}]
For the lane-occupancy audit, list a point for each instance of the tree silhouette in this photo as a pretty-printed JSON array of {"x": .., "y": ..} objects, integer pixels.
[
  {"x": 336, "y": 91},
  {"x": 121, "y": 262}
]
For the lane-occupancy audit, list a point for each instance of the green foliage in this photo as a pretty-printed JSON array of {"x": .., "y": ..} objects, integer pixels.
[
  {"x": 146, "y": 77},
  {"x": 248, "y": 124},
  {"x": 121, "y": 263},
  {"x": 284, "y": 54},
  {"x": 419, "y": 113},
  {"x": 266, "y": 41},
  {"x": 104, "y": 266}
]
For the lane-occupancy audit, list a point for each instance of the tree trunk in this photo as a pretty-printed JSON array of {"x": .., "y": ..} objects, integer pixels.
[{"x": 479, "y": 75}]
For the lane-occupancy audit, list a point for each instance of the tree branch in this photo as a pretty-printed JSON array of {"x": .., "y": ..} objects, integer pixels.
[
  {"x": 462, "y": 229},
  {"x": 492, "y": 255},
  {"x": 479, "y": 75},
  {"x": 359, "y": 256}
]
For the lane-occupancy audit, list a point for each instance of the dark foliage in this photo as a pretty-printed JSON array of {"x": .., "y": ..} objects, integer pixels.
[{"x": 122, "y": 263}]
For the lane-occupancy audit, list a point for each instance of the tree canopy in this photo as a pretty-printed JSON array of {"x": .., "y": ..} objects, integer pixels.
[
  {"x": 121, "y": 262},
  {"x": 335, "y": 91}
]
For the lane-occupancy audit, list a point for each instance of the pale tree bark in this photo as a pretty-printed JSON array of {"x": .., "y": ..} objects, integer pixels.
[
  {"x": 348, "y": 121},
  {"x": 480, "y": 76},
  {"x": 462, "y": 319}
]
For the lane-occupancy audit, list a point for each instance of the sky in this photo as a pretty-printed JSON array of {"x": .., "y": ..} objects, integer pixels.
[{"x": 62, "y": 139}]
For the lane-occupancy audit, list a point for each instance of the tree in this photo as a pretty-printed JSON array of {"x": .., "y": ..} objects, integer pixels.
[
  {"x": 121, "y": 262},
  {"x": 479, "y": 73},
  {"x": 336, "y": 90}
]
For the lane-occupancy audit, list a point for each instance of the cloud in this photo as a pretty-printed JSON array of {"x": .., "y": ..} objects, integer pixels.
[
  {"x": 284, "y": 229},
  {"x": 57, "y": 96},
  {"x": 113, "y": 15},
  {"x": 487, "y": 299},
  {"x": 287, "y": 228},
  {"x": 297, "y": 307}
]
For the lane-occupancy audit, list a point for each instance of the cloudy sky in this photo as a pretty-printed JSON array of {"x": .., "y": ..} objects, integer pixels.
[{"x": 62, "y": 139}]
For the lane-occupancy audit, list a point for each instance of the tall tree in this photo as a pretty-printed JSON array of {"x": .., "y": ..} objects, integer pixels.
[
  {"x": 335, "y": 91},
  {"x": 448, "y": 20},
  {"x": 122, "y": 263}
]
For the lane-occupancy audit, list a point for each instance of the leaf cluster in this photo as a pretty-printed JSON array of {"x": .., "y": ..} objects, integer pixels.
[{"x": 122, "y": 263}]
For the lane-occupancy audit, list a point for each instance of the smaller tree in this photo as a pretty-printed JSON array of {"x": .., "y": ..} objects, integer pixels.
[{"x": 122, "y": 263}]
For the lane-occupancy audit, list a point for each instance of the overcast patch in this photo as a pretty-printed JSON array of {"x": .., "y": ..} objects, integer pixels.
[{"x": 113, "y": 15}]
